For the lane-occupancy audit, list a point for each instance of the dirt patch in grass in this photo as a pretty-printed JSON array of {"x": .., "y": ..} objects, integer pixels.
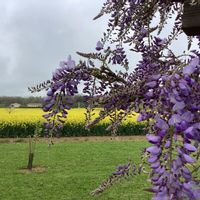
[
  {"x": 13, "y": 140},
  {"x": 102, "y": 138},
  {"x": 85, "y": 138},
  {"x": 4, "y": 141},
  {"x": 35, "y": 169}
]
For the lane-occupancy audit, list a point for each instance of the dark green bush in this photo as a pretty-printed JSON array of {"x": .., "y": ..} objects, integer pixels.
[{"x": 71, "y": 129}]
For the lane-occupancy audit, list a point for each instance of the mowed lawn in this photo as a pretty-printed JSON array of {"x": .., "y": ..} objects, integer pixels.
[{"x": 74, "y": 169}]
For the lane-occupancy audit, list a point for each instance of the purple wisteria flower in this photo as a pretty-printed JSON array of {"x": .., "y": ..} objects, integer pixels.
[
  {"x": 99, "y": 46},
  {"x": 190, "y": 147},
  {"x": 162, "y": 124},
  {"x": 175, "y": 119},
  {"x": 151, "y": 84},
  {"x": 153, "y": 138},
  {"x": 191, "y": 67},
  {"x": 154, "y": 150},
  {"x": 188, "y": 158},
  {"x": 178, "y": 106}
]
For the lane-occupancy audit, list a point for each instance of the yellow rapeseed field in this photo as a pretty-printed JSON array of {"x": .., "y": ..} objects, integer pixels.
[
  {"x": 21, "y": 122},
  {"x": 20, "y": 115}
]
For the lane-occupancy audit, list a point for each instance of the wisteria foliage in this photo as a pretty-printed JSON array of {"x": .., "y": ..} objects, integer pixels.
[
  {"x": 123, "y": 172},
  {"x": 163, "y": 87}
]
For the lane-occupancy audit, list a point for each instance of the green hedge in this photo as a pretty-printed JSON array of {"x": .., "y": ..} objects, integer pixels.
[
  {"x": 100, "y": 130},
  {"x": 70, "y": 129}
]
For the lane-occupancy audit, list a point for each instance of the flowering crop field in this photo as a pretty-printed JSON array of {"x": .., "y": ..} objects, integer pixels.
[
  {"x": 21, "y": 122},
  {"x": 76, "y": 115}
]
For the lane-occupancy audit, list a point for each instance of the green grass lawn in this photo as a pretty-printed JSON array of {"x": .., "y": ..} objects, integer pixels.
[{"x": 74, "y": 170}]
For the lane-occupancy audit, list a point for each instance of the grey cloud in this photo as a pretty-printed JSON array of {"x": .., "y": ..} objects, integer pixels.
[
  {"x": 38, "y": 34},
  {"x": 35, "y": 35}
]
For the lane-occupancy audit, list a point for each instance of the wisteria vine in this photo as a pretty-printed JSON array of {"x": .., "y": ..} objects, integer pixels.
[{"x": 163, "y": 87}]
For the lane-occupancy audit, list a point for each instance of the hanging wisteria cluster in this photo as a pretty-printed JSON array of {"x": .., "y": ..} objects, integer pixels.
[
  {"x": 123, "y": 172},
  {"x": 163, "y": 87}
]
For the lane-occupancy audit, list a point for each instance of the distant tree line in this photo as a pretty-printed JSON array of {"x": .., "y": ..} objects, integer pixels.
[{"x": 6, "y": 101}]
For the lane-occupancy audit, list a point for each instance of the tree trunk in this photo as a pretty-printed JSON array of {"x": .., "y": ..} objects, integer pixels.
[{"x": 30, "y": 161}]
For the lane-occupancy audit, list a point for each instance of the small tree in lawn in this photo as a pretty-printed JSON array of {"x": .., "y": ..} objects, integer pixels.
[
  {"x": 32, "y": 145},
  {"x": 164, "y": 88}
]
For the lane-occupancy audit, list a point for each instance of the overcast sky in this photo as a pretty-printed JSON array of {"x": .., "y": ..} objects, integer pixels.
[{"x": 35, "y": 35}]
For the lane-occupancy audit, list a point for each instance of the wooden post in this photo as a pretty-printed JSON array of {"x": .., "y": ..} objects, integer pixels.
[{"x": 191, "y": 18}]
